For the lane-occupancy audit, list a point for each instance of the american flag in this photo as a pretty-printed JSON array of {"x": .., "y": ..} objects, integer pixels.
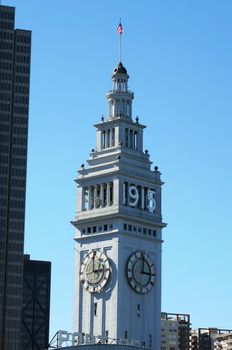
[{"x": 120, "y": 28}]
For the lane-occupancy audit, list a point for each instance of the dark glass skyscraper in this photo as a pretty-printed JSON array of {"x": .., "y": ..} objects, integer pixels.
[
  {"x": 36, "y": 304},
  {"x": 15, "y": 49}
]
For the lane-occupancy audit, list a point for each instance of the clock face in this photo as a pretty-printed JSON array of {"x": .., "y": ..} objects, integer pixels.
[
  {"x": 95, "y": 271},
  {"x": 140, "y": 272}
]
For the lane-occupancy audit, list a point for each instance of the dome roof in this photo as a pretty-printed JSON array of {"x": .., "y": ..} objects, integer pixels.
[{"x": 120, "y": 69}]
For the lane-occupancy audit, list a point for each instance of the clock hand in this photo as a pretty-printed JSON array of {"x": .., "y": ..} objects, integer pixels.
[
  {"x": 143, "y": 264},
  {"x": 89, "y": 273},
  {"x": 98, "y": 270},
  {"x": 93, "y": 258}
]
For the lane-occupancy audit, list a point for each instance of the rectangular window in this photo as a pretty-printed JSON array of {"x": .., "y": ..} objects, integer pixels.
[
  {"x": 104, "y": 195},
  {"x": 144, "y": 231},
  {"x": 126, "y": 137},
  {"x": 86, "y": 198},
  {"x": 131, "y": 139},
  {"x": 107, "y": 336},
  {"x": 130, "y": 227},
  {"x": 89, "y": 229},
  {"x": 135, "y": 140},
  {"x": 126, "y": 334},
  {"x": 105, "y": 227},
  {"x": 113, "y": 137},
  {"x": 124, "y": 226},
  {"x": 111, "y": 193},
  {"x": 108, "y": 138},
  {"x": 149, "y": 232},
  {"x": 138, "y": 310},
  {"x": 154, "y": 233},
  {"x": 94, "y": 229},
  {"x": 103, "y": 139},
  {"x": 95, "y": 309},
  {"x": 150, "y": 341}
]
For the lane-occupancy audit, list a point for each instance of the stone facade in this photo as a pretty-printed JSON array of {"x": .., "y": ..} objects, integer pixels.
[{"x": 119, "y": 221}]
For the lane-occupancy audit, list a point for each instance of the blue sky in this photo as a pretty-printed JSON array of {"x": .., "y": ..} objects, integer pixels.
[{"x": 178, "y": 54}]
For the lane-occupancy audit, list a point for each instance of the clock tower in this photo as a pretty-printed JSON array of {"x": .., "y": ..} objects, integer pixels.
[{"x": 118, "y": 231}]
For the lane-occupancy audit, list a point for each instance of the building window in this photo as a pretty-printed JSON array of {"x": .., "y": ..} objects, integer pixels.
[
  {"x": 107, "y": 336},
  {"x": 138, "y": 310},
  {"x": 128, "y": 108},
  {"x": 83, "y": 231},
  {"x": 100, "y": 228},
  {"x": 154, "y": 233},
  {"x": 130, "y": 227},
  {"x": 111, "y": 193},
  {"x": 94, "y": 229},
  {"x": 86, "y": 198},
  {"x": 131, "y": 139},
  {"x": 126, "y": 137},
  {"x": 150, "y": 341},
  {"x": 103, "y": 139},
  {"x": 113, "y": 137},
  {"x": 144, "y": 231},
  {"x": 108, "y": 138},
  {"x": 126, "y": 334},
  {"x": 135, "y": 140},
  {"x": 124, "y": 226},
  {"x": 149, "y": 232},
  {"x": 89, "y": 229},
  {"x": 95, "y": 309},
  {"x": 105, "y": 227}
]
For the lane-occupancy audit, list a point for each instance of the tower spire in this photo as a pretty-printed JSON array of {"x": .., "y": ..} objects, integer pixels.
[{"x": 120, "y": 31}]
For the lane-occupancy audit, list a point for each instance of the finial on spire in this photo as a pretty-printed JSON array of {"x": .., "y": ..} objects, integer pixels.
[{"x": 120, "y": 31}]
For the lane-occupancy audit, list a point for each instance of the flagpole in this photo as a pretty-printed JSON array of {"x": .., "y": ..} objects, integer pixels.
[
  {"x": 120, "y": 47},
  {"x": 120, "y": 31}
]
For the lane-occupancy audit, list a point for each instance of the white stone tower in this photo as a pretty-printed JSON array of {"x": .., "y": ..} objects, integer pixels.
[{"x": 119, "y": 231}]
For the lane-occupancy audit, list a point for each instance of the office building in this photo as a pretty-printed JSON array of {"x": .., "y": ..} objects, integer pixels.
[
  {"x": 15, "y": 48},
  {"x": 175, "y": 331},
  {"x": 36, "y": 304},
  {"x": 206, "y": 338},
  {"x": 223, "y": 342}
]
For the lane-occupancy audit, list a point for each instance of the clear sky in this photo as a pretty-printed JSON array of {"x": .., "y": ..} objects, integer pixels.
[{"x": 179, "y": 57}]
